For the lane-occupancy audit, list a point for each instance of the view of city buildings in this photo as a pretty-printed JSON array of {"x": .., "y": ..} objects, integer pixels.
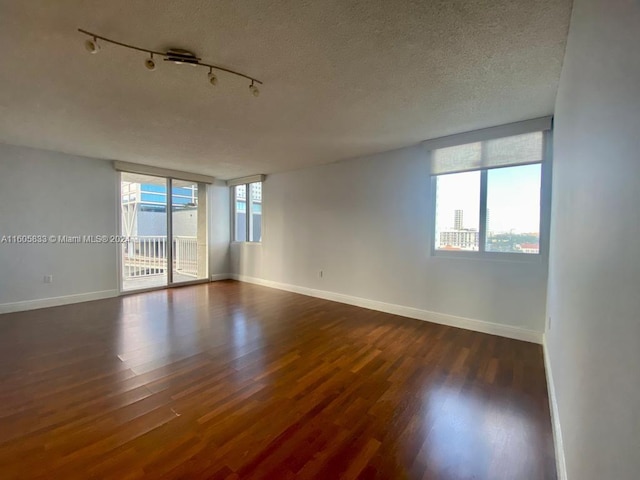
[
  {"x": 460, "y": 238},
  {"x": 255, "y": 191},
  {"x": 144, "y": 208}
]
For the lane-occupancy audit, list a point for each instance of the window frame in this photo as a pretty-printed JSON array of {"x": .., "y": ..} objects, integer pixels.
[
  {"x": 545, "y": 214},
  {"x": 248, "y": 213}
]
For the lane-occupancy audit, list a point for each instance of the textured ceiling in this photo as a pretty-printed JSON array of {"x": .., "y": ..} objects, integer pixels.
[{"x": 342, "y": 78}]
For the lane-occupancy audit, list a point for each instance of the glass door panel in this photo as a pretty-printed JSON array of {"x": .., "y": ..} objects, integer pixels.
[
  {"x": 189, "y": 231},
  {"x": 143, "y": 209}
]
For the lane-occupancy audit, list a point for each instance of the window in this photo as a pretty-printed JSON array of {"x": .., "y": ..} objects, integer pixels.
[
  {"x": 458, "y": 211},
  {"x": 513, "y": 209},
  {"x": 240, "y": 198},
  {"x": 247, "y": 201},
  {"x": 487, "y": 195},
  {"x": 255, "y": 207}
]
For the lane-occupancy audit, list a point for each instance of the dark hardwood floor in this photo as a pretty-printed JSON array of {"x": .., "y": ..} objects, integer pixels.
[{"x": 231, "y": 380}]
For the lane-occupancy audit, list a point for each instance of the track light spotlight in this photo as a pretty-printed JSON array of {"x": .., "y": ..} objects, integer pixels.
[
  {"x": 149, "y": 63},
  {"x": 213, "y": 80},
  {"x": 254, "y": 90},
  {"x": 92, "y": 45}
]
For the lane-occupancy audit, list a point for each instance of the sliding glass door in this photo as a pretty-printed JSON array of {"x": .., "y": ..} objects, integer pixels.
[
  {"x": 189, "y": 231},
  {"x": 143, "y": 227},
  {"x": 158, "y": 249}
]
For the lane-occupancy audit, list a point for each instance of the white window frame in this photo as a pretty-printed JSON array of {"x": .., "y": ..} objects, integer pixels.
[{"x": 545, "y": 215}]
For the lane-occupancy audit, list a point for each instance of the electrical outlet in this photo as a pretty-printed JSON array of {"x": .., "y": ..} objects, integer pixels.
[{"x": 48, "y": 279}]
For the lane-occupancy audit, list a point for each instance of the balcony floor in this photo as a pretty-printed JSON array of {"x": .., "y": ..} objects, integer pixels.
[{"x": 152, "y": 281}]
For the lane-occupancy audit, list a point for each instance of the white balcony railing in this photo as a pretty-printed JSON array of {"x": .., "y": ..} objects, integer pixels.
[
  {"x": 186, "y": 255},
  {"x": 146, "y": 256}
]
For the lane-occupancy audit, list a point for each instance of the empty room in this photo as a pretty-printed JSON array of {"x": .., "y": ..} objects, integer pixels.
[{"x": 382, "y": 239}]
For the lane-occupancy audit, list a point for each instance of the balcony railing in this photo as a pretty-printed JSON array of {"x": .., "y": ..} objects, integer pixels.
[
  {"x": 146, "y": 256},
  {"x": 186, "y": 255}
]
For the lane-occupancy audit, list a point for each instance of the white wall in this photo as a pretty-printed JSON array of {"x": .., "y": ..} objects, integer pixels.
[
  {"x": 50, "y": 193},
  {"x": 365, "y": 223},
  {"x": 219, "y": 230},
  {"x": 594, "y": 277}
]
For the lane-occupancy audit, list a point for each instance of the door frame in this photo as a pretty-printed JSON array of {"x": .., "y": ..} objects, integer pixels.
[{"x": 169, "y": 220}]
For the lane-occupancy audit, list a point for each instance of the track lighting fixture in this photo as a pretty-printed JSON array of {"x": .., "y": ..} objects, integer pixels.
[
  {"x": 149, "y": 63},
  {"x": 213, "y": 80},
  {"x": 254, "y": 90},
  {"x": 92, "y": 45},
  {"x": 174, "y": 55}
]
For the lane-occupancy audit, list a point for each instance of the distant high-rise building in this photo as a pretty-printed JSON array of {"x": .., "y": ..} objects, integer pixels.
[
  {"x": 459, "y": 237},
  {"x": 457, "y": 222},
  {"x": 464, "y": 239}
]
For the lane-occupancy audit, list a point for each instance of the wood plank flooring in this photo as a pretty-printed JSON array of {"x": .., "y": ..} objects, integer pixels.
[{"x": 232, "y": 381}]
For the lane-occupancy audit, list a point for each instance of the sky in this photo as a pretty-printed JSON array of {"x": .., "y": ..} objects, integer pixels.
[{"x": 513, "y": 199}]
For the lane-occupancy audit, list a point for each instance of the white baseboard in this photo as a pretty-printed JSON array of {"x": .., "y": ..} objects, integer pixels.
[
  {"x": 561, "y": 466},
  {"x": 441, "y": 318},
  {"x": 220, "y": 276},
  {"x": 56, "y": 301}
]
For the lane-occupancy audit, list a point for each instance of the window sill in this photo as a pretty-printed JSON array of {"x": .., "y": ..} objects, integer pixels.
[{"x": 490, "y": 256}]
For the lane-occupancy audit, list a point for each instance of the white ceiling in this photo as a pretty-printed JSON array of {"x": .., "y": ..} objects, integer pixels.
[{"x": 342, "y": 78}]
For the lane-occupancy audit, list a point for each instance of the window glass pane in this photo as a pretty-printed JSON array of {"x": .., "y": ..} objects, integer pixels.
[
  {"x": 255, "y": 190},
  {"x": 189, "y": 229},
  {"x": 144, "y": 222},
  {"x": 513, "y": 209},
  {"x": 458, "y": 211},
  {"x": 240, "y": 197}
]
